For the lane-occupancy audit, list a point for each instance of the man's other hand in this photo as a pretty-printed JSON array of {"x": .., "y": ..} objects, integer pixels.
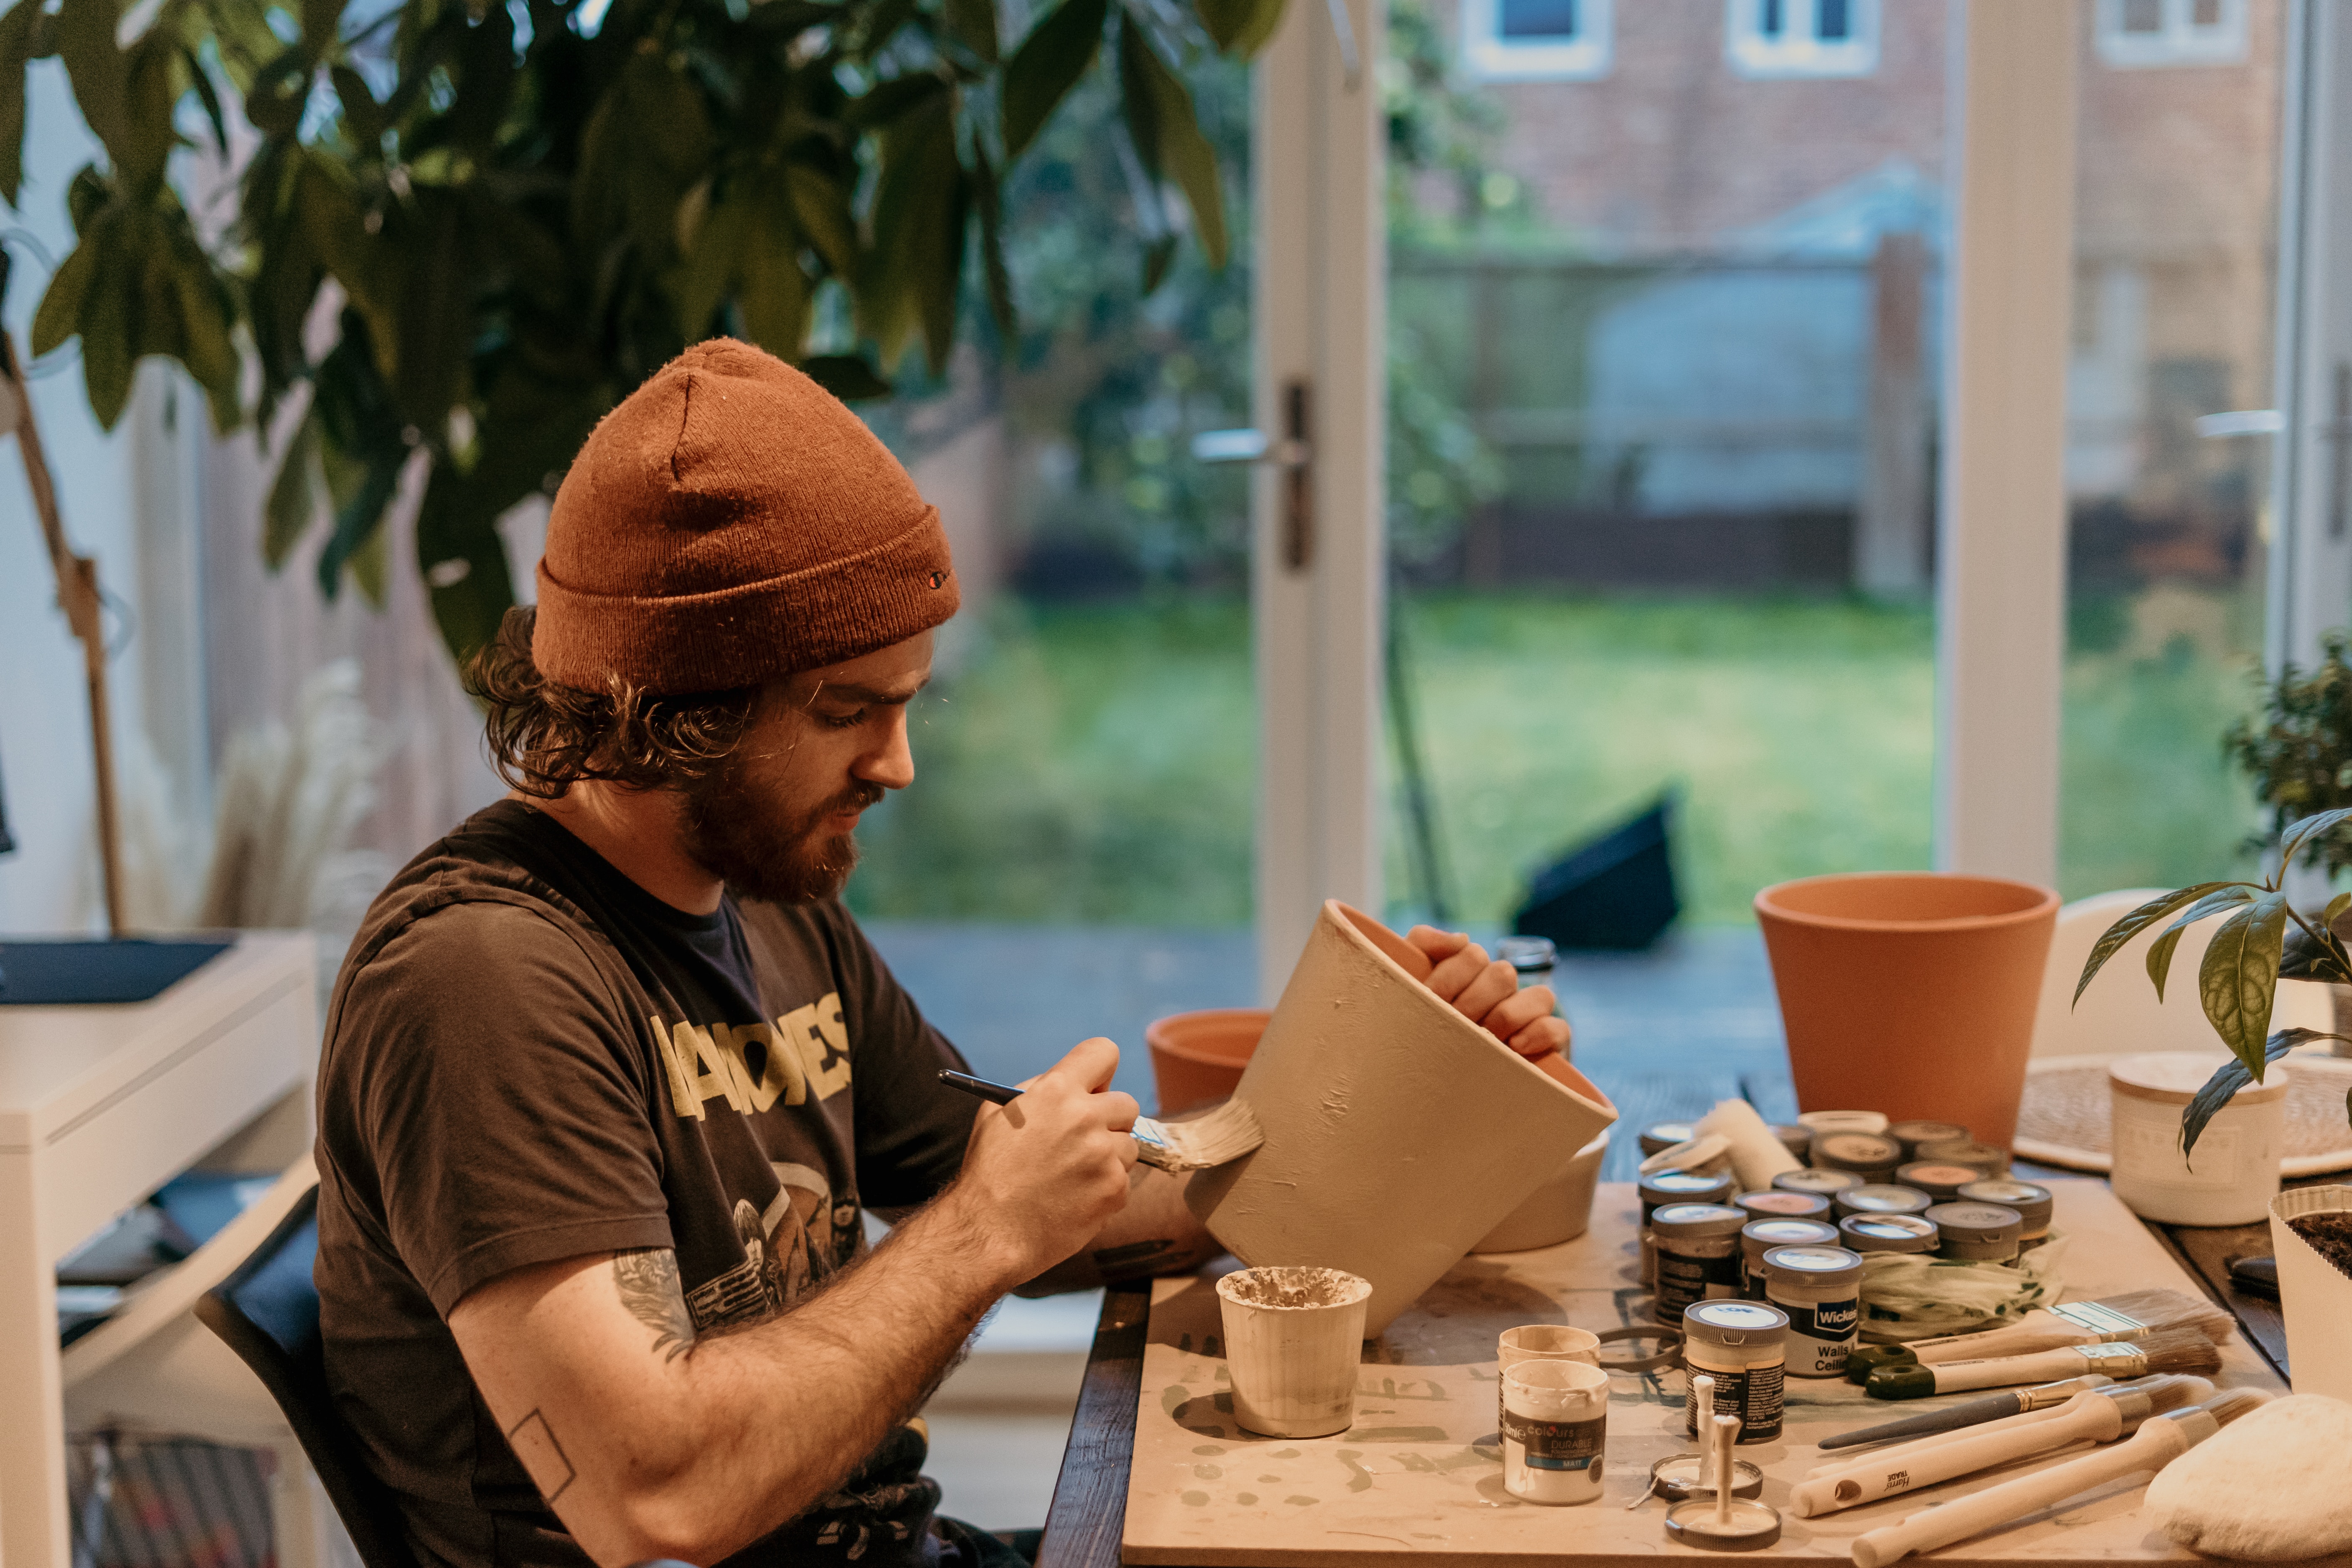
[
  {"x": 1042, "y": 1174},
  {"x": 1486, "y": 992}
]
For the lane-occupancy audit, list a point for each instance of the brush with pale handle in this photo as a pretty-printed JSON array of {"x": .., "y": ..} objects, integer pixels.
[
  {"x": 1228, "y": 1133},
  {"x": 2094, "y": 1415},
  {"x": 2006, "y": 1406},
  {"x": 2156, "y": 1445},
  {"x": 2043, "y": 1409},
  {"x": 2134, "y": 1316},
  {"x": 2175, "y": 1350}
]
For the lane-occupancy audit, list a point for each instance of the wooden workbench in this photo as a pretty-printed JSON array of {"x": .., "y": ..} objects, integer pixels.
[{"x": 1418, "y": 1476}]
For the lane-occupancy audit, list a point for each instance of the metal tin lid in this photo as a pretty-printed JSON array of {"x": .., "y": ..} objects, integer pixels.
[
  {"x": 1779, "y": 1204},
  {"x": 1766, "y": 1234},
  {"x": 1661, "y": 1136},
  {"x": 1940, "y": 1178},
  {"x": 1911, "y": 1134},
  {"x": 1748, "y": 1526},
  {"x": 1795, "y": 1137},
  {"x": 1887, "y": 1233},
  {"x": 1812, "y": 1266},
  {"x": 1697, "y": 1220},
  {"x": 1678, "y": 1477},
  {"x": 1827, "y": 1183},
  {"x": 1977, "y": 1222},
  {"x": 1991, "y": 1159},
  {"x": 2033, "y": 1204},
  {"x": 1822, "y": 1121},
  {"x": 1527, "y": 954},
  {"x": 1881, "y": 1197},
  {"x": 1685, "y": 1186},
  {"x": 1724, "y": 1323},
  {"x": 1857, "y": 1152}
]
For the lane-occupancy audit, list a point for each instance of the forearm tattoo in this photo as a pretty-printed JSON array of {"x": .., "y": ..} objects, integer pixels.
[{"x": 647, "y": 1278}]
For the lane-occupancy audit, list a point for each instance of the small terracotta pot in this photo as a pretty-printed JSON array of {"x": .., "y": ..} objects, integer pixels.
[
  {"x": 1197, "y": 1058},
  {"x": 1911, "y": 993}
]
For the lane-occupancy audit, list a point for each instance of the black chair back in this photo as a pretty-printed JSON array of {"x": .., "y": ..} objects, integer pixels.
[{"x": 268, "y": 1311}]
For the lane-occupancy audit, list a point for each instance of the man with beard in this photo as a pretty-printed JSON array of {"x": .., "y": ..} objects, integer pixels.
[{"x": 610, "y": 1072}]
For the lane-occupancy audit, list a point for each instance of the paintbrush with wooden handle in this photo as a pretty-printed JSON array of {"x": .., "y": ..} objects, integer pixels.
[
  {"x": 1994, "y": 1407},
  {"x": 2133, "y": 1316},
  {"x": 2176, "y": 1349},
  {"x": 1212, "y": 1138}
]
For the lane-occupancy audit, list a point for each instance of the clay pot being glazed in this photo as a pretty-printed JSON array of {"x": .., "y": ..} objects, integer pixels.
[
  {"x": 1197, "y": 1058},
  {"x": 1910, "y": 992},
  {"x": 1397, "y": 1131}
]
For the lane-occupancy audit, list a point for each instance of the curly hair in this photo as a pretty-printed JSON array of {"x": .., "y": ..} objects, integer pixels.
[{"x": 543, "y": 737}]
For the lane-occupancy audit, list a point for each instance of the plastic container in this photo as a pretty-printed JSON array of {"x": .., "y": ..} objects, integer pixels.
[
  {"x": 1939, "y": 1179},
  {"x": 1661, "y": 1188},
  {"x": 1976, "y": 1233},
  {"x": 1990, "y": 1158},
  {"x": 1820, "y": 1289},
  {"x": 1911, "y": 1134},
  {"x": 1742, "y": 1346},
  {"x": 1294, "y": 1338},
  {"x": 1907, "y": 1232},
  {"x": 1820, "y": 1182},
  {"x": 2231, "y": 1175},
  {"x": 1197, "y": 1059},
  {"x": 1758, "y": 1237},
  {"x": 1881, "y": 1197},
  {"x": 1698, "y": 1256},
  {"x": 2034, "y": 1205},
  {"x": 1869, "y": 1155},
  {"x": 1555, "y": 1427}
]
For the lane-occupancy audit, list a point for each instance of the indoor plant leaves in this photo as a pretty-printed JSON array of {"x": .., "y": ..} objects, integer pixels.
[{"x": 2232, "y": 1075}]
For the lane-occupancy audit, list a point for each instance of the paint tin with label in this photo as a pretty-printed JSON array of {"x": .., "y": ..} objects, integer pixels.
[
  {"x": 1976, "y": 1233},
  {"x": 1866, "y": 1155},
  {"x": 1796, "y": 1138},
  {"x": 1988, "y": 1158},
  {"x": 1912, "y": 1134},
  {"x": 1908, "y": 1233},
  {"x": 1759, "y": 1236},
  {"x": 1661, "y": 1136},
  {"x": 1881, "y": 1197},
  {"x": 1740, "y": 1344},
  {"x": 1820, "y": 1182},
  {"x": 1663, "y": 1187},
  {"x": 1819, "y": 1288},
  {"x": 1555, "y": 1431},
  {"x": 1698, "y": 1256},
  {"x": 2034, "y": 1205},
  {"x": 1941, "y": 1179}
]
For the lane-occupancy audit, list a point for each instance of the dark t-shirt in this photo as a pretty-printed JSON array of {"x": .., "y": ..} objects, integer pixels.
[{"x": 528, "y": 1058}]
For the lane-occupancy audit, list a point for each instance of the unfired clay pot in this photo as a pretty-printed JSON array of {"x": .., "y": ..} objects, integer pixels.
[
  {"x": 1197, "y": 1058},
  {"x": 1911, "y": 993},
  {"x": 1397, "y": 1131},
  {"x": 1559, "y": 1210},
  {"x": 2315, "y": 1296}
]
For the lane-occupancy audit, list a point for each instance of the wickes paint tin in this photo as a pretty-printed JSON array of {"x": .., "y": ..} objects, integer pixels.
[
  {"x": 1819, "y": 1288},
  {"x": 1761, "y": 1235},
  {"x": 1698, "y": 1256},
  {"x": 1738, "y": 1344}
]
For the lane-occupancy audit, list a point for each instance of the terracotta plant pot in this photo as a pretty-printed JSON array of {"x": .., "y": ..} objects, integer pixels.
[
  {"x": 1197, "y": 1058},
  {"x": 1397, "y": 1131},
  {"x": 1911, "y": 993},
  {"x": 2315, "y": 1296}
]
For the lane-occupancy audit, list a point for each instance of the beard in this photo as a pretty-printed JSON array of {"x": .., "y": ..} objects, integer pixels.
[{"x": 741, "y": 835}]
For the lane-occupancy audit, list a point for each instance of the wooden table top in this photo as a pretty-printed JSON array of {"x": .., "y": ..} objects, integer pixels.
[{"x": 1157, "y": 1473}]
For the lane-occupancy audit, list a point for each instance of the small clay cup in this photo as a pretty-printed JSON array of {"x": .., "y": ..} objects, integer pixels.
[
  {"x": 1197, "y": 1058},
  {"x": 1294, "y": 1338}
]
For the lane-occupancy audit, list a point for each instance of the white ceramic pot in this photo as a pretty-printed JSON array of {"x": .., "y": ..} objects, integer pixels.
[
  {"x": 2233, "y": 1173},
  {"x": 1294, "y": 1338},
  {"x": 1560, "y": 1210},
  {"x": 2315, "y": 1296},
  {"x": 1397, "y": 1131}
]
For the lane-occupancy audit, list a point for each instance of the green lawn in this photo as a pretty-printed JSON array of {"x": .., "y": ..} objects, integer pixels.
[{"x": 1095, "y": 762}]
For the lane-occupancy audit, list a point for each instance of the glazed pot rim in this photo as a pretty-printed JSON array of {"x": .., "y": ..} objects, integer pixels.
[
  {"x": 1350, "y": 922},
  {"x": 2046, "y": 904}
]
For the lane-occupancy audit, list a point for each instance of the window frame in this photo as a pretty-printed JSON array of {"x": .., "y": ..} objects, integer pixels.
[
  {"x": 2179, "y": 42},
  {"x": 1799, "y": 53},
  {"x": 1487, "y": 56}
]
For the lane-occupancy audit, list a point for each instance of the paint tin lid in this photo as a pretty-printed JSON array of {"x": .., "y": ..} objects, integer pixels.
[
  {"x": 1911, "y": 1134},
  {"x": 1678, "y": 1477},
  {"x": 1977, "y": 1222},
  {"x": 1887, "y": 1233},
  {"x": 1827, "y": 1183},
  {"x": 1661, "y": 1136},
  {"x": 1992, "y": 1160},
  {"x": 1685, "y": 1188},
  {"x": 1723, "y": 1322},
  {"x": 1795, "y": 1137},
  {"x": 1747, "y": 1526},
  {"x": 1857, "y": 1152},
  {"x": 1779, "y": 1204},
  {"x": 1939, "y": 1179},
  {"x": 1825, "y": 1122},
  {"x": 1881, "y": 1197},
  {"x": 1686, "y": 1220},
  {"x": 1761, "y": 1236},
  {"x": 2033, "y": 1204},
  {"x": 1533, "y": 956},
  {"x": 1812, "y": 1266}
]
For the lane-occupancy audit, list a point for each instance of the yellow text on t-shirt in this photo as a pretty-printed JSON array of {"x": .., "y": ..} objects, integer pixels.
[{"x": 802, "y": 1056}]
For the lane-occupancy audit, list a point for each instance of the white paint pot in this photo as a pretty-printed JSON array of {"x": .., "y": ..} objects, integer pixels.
[
  {"x": 1560, "y": 1210},
  {"x": 2233, "y": 1173},
  {"x": 1397, "y": 1131},
  {"x": 2315, "y": 1296},
  {"x": 1294, "y": 1338},
  {"x": 1541, "y": 1341},
  {"x": 1555, "y": 1431}
]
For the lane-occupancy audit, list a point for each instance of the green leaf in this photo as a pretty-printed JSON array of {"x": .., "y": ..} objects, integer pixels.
[
  {"x": 1180, "y": 150},
  {"x": 107, "y": 323},
  {"x": 2159, "y": 952},
  {"x": 1048, "y": 63},
  {"x": 1240, "y": 28},
  {"x": 710, "y": 269},
  {"x": 974, "y": 22},
  {"x": 16, "y": 40},
  {"x": 1157, "y": 255},
  {"x": 59, "y": 315},
  {"x": 2138, "y": 921},
  {"x": 821, "y": 209},
  {"x": 2232, "y": 1075},
  {"x": 846, "y": 376},
  {"x": 989, "y": 197},
  {"x": 2240, "y": 976},
  {"x": 2316, "y": 827},
  {"x": 293, "y": 495},
  {"x": 202, "y": 81},
  {"x": 773, "y": 291}
]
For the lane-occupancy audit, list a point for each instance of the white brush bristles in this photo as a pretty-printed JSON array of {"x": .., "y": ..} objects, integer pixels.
[{"x": 1225, "y": 1133}]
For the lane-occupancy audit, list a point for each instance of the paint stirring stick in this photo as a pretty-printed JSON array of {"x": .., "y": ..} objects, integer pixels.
[{"x": 1221, "y": 1135}]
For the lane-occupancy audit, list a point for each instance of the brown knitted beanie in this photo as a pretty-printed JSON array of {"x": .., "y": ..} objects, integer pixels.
[{"x": 729, "y": 523}]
